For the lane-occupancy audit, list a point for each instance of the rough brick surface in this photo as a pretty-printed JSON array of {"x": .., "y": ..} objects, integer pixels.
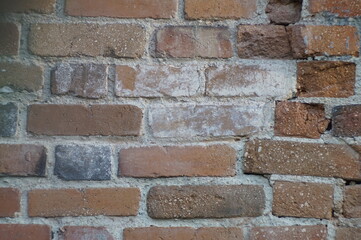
[
  {"x": 169, "y": 161},
  {"x": 189, "y": 42},
  {"x": 116, "y": 120},
  {"x": 9, "y": 202},
  {"x": 205, "y": 201},
  {"x": 158, "y": 81},
  {"x": 84, "y": 233},
  {"x": 307, "y": 200},
  {"x": 352, "y": 202},
  {"x": 8, "y": 119},
  {"x": 83, "y": 162},
  {"x": 83, "y": 80},
  {"x": 342, "y": 8},
  {"x": 25, "y": 6},
  {"x": 22, "y": 160},
  {"x": 317, "y": 232},
  {"x": 284, "y": 11},
  {"x": 122, "y": 8},
  {"x": 83, "y": 202},
  {"x": 24, "y": 232},
  {"x": 300, "y": 120},
  {"x": 293, "y": 158},
  {"x": 326, "y": 79},
  {"x": 65, "y": 40},
  {"x": 346, "y": 121},
  {"x": 9, "y": 39},
  {"x": 220, "y": 9},
  {"x": 348, "y": 233}
]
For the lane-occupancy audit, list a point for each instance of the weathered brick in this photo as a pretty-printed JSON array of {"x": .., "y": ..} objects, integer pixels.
[
  {"x": 300, "y": 120},
  {"x": 65, "y": 40},
  {"x": 263, "y": 41},
  {"x": 9, "y": 39},
  {"x": 220, "y": 9},
  {"x": 73, "y": 120},
  {"x": 122, "y": 8},
  {"x": 311, "y": 41},
  {"x": 317, "y": 232},
  {"x": 326, "y": 79},
  {"x": 168, "y": 161},
  {"x": 84, "y": 233},
  {"x": 264, "y": 80},
  {"x": 22, "y": 160},
  {"x": 9, "y": 202},
  {"x": 346, "y": 121},
  {"x": 8, "y": 119},
  {"x": 166, "y": 202},
  {"x": 19, "y": 76},
  {"x": 342, "y": 8},
  {"x": 189, "y": 42},
  {"x": 82, "y": 162},
  {"x": 352, "y": 202},
  {"x": 308, "y": 200},
  {"x": 22, "y": 232},
  {"x": 83, "y": 202},
  {"x": 284, "y": 11},
  {"x": 83, "y": 80},
  {"x": 348, "y": 233},
  {"x": 293, "y": 158},
  {"x": 158, "y": 80},
  {"x": 25, "y": 6},
  {"x": 206, "y": 120}
]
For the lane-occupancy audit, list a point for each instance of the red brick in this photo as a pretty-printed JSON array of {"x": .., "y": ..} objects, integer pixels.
[
  {"x": 352, "y": 202},
  {"x": 83, "y": 202},
  {"x": 346, "y": 121},
  {"x": 9, "y": 39},
  {"x": 73, "y": 120},
  {"x": 24, "y": 232},
  {"x": 25, "y": 6},
  {"x": 122, "y": 8},
  {"x": 84, "y": 233},
  {"x": 9, "y": 202},
  {"x": 214, "y": 160},
  {"x": 342, "y": 8},
  {"x": 307, "y": 200},
  {"x": 317, "y": 232},
  {"x": 348, "y": 233},
  {"x": 284, "y": 11},
  {"x": 189, "y": 42},
  {"x": 220, "y": 9}
]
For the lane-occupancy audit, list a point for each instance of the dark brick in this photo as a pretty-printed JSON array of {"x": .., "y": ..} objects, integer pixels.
[
  {"x": 9, "y": 39},
  {"x": 8, "y": 119},
  {"x": 346, "y": 121},
  {"x": 26, "y": 6},
  {"x": 284, "y": 11}
]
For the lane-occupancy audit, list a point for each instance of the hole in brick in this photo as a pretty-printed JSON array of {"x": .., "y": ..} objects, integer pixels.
[
  {"x": 329, "y": 127},
  {"x": 352, "y": 182},
  {"x": 284, "y": 12}
]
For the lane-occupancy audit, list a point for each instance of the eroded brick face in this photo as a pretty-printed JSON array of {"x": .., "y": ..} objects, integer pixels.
[
  {"x": 341, "y": 8},
  {"x": 352, "y": 201},
  {"x": 284, "y": 11},
  {"x": 346, "y": 121},
  {"x": 83, "y": 232}
]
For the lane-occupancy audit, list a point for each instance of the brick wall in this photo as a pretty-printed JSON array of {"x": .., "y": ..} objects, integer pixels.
[{"x": 180, "y": 119}]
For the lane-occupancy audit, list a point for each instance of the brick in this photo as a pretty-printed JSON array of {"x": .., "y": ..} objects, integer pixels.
[
  {"x": 26, "y": 6},
  {"x": 190, "y": 42},
  {"x": 83, "y": 202},
  {"x": 105, "y": 120},
  {"x": 183, "y": 233},
  {"x": 22, "y": 160},
  {"x": 84, "y": 232},
  {"x": 348, "y": 233},
  {"x": 352, "y": 202},
  {"x": 83, "y": 162},
  {"x": 284, "y": 11},
  {"x": 9, "y": 40},
  {"x": 220, "y": 9},
  {"x": 9, "y": 202},
  {"x": 296, "y": 119},
  {"x": 342, "y": 8},
  {"x": 263, "y": 41},
  {"x": 19, "y": 76},
  {"x": 165, "y": 202},
  {"x": 81, "y": 80},
  {"x": 206, "y": 120},
  {"x": 311, "y": 41},
  {"x": 293, "y": 158},
  {"x": 317, "y": 232},
  {"x": 261, "y": 80},
  {"x": 8, "y": 119},
  {"x": 307, "y": 200},
  {"x": 346, "y": 121},
  {"x": 122, "y": 8},
  {"x": 173, "y": 161},
  {"x": 158, "y": 81},
  {"x": 68, "y": 40},
  {"x": 24, "y": 232},
  {"x": 326, "y": 79}
]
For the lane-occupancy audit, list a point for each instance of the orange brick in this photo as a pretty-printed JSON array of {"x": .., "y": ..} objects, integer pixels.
[
  {"x": 342, "y": 8},
  {"x": 22, "y": 232},
  {"x": 9, "y": 202}
]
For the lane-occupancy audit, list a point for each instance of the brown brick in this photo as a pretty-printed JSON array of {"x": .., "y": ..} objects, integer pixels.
[
  {"x": 122, "y": 8},
  {"x": 25, "y": 6},
  {"x": 19, "y": 76},
  {"x": 326, "y": 79},
  {"x": 22, "y": 160},
  {"x": 300, "y": 120},
  {"x": 189, "y": 42},
  {"x": 84, "y": 232},
  {"x": 83, "y": 202},
  {"x": 73, "y": 120},
  {"x": 352, "y": 202},
  {"x": 24, "y": 232},
  {"x": 220, "y": 9},
  {"x": 263, "y": 41},
  {"x": 284, "y": 11},
  {"x": 66, "y": 40},
  {"x": 214, "y": 160},
  {"x": 310, "y": 41},
  {"x": 308, "y": 200},
  {"x": 293, "y": 158},
  {"x": 9, "y": 39},
  {"x": 348, "y": 233},
  {"x": 346, "y": 121},
  {"x": 342, "y": 8},
  {"x": 9, "y": 202},
  {"x": 317, "y": 232},
  {"x": 166, "y": 202}
]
